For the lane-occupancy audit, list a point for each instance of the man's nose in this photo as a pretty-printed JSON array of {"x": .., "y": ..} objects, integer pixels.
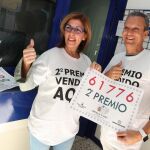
[{"x": 130, "y": 31}]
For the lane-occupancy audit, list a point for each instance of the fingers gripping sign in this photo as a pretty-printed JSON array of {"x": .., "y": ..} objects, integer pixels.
[{"x": 96, "y": 66}]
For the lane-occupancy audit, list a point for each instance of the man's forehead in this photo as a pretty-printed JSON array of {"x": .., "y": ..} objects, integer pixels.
[
  {"x": 137, "y": 18},
  {"x": 135, "y": 21}
]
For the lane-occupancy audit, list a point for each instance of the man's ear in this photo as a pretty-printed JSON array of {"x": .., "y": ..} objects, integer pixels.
[{"x": 146, "y": 33}]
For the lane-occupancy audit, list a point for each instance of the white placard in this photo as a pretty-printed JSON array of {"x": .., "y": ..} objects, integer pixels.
[
  {"x": 105, "y": 101},
  {"x": 6, "y": 80}
]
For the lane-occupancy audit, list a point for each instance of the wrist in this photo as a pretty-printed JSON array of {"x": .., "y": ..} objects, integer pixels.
[{"x": 143, "y": 135}]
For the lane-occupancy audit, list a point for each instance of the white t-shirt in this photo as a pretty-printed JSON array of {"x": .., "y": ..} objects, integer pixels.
[
  {"x": 57, "y": 74},
  {"x": 136, "y": 72}
]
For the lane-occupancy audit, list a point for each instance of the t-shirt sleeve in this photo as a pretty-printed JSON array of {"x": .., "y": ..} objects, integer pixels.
[
  {"x": 17, "y": 72},
  {"x": 37, "y": 74},
  {"x": 88, "y": 60}
]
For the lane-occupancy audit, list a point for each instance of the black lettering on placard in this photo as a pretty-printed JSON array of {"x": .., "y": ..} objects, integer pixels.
[{"x": 90, "y": 91}]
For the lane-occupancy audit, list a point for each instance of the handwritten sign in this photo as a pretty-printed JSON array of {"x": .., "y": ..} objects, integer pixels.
[{"x": 105, "y": 101}]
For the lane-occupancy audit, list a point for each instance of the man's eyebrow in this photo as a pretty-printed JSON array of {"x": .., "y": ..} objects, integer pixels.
[{"x": 126, "y": 27}]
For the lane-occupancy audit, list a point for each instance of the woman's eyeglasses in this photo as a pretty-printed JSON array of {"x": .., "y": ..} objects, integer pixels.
[{"x": 76, "y": 30}]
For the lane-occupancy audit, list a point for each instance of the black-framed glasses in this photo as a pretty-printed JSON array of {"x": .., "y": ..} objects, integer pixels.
[{"x": 76, "y": 30}]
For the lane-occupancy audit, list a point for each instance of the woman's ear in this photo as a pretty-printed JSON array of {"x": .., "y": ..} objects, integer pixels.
[{"x": 84, "y": 37}]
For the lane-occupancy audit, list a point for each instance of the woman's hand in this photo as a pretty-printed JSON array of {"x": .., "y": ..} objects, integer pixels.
[
  {"x": 96, "y": 66},
  {"x": 29, "y": 56}
]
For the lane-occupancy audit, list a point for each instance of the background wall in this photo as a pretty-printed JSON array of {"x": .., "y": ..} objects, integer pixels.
[{"x": 142, "y": 4}]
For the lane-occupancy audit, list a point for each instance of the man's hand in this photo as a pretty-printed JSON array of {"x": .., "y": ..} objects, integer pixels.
[
  {"x": 115, "y": 72},
  {"x": 29, "y": 56},
  {"x": 129, "y": 137}
]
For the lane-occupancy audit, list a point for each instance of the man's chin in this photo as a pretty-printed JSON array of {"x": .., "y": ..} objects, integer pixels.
[{"x": 130, "y": 46}]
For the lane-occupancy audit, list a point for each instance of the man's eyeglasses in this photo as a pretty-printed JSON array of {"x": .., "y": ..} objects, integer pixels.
[{"x": 76, "y": 30}]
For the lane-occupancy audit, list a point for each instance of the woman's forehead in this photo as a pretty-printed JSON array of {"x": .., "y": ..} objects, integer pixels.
[{"x": 75, "y": 22}]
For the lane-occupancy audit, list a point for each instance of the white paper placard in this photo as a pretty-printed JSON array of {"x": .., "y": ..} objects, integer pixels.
[
  {"x": 105, "y": 101},
  {"x": 6, "y": 80}
]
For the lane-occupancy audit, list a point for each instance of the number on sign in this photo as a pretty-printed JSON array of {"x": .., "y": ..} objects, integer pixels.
[
  {"x": 121, "y": 91},
  {"x": 92, "y": 81},
  {"x": 129, "y": 97}
]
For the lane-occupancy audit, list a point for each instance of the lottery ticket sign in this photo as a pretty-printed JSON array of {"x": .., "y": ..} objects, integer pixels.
[{"x": 105, "y": 101}]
